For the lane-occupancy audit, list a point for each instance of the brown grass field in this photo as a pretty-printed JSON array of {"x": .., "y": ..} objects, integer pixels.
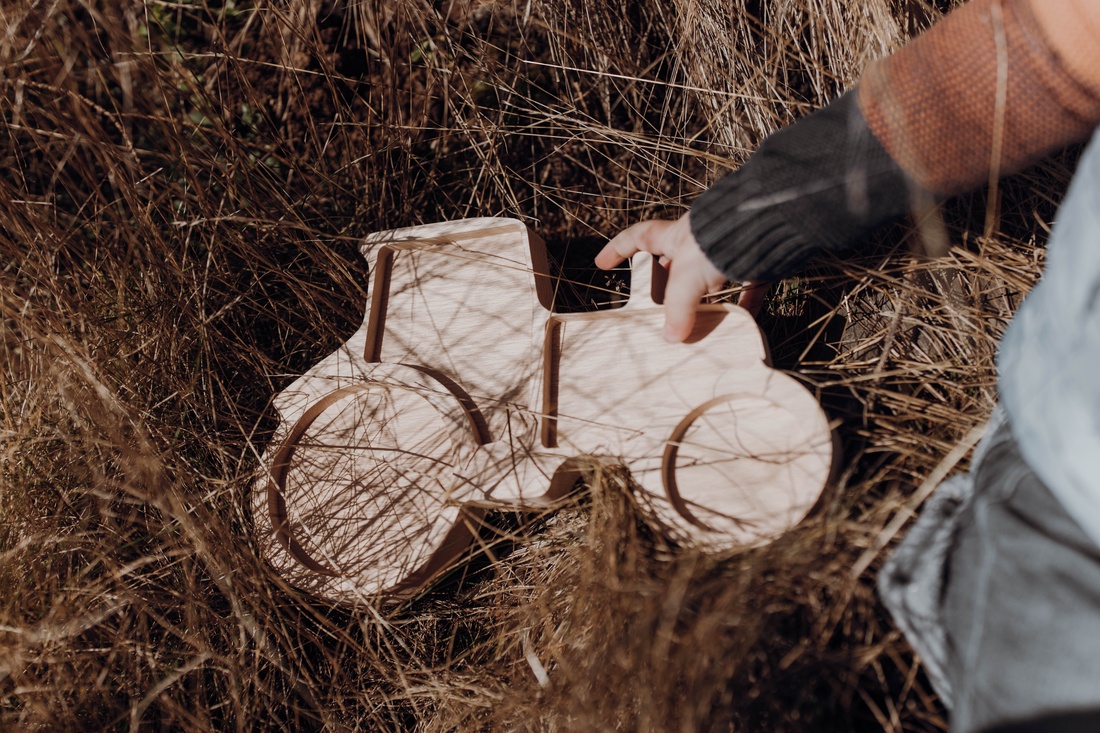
[{"x": 183, "y": 185}]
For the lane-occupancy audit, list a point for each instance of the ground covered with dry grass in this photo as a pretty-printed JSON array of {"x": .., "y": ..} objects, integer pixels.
[{"x": 183, "y": 186}]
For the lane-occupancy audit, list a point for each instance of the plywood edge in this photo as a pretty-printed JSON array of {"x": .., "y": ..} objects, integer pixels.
[
  {"x": 450, "y": 231},
  {"x": 375, "y": 320},
  {"x": 540, "y": 270},
  {"x": 709, "y": 317},
  {"x": 551, "y": 356}
]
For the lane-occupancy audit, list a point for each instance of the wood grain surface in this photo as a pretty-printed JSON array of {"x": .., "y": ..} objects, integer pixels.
[{"x": 462, "y": 393}]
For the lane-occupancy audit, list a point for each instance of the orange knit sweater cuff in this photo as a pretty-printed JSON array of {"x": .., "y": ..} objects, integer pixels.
[{"x": 983, "y": 93}]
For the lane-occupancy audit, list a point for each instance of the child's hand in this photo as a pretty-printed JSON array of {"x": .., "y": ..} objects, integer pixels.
[{"x": 690, "y": 274}]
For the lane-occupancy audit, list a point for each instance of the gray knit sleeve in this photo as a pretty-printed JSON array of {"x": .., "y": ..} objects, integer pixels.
[{"x": 818, "y": 185}]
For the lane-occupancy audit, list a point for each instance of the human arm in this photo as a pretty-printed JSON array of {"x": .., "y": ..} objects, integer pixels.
[{"x": 990, "y": 89}]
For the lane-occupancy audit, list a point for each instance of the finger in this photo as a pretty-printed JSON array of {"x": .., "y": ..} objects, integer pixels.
[
  {"x": 642, "y": 237},
  {"x": 752, "y": 297},
  {"x": 609, "y": 256},
  {"x": 682, "y": 295}
]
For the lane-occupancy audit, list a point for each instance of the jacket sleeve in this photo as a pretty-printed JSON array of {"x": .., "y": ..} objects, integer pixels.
[{"x": 994, "y": 86}]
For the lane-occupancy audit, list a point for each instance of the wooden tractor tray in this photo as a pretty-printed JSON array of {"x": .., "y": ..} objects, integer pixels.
[{"x": 462, "y": 393}]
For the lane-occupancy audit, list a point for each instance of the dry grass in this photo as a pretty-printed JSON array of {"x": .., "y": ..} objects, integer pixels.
[{"x": 184, "y": 183}]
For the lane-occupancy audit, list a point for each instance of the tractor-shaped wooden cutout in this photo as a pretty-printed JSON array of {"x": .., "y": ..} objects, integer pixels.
[{"x": 463, "y": 393}]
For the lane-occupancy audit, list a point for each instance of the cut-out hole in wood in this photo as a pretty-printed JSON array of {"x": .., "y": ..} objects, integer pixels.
[{"x": 462, "y": 393}]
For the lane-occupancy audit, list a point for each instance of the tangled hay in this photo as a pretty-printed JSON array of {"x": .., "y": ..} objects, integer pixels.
[{"x": 185, "y": 183}]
